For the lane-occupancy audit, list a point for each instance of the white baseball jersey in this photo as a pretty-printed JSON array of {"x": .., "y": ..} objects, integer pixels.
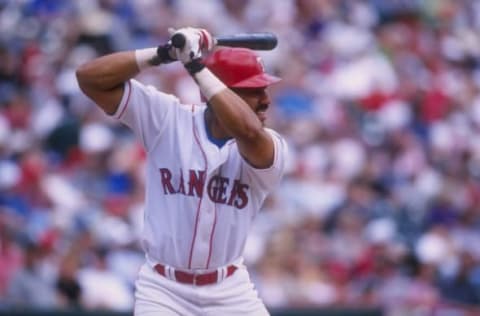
[{"x": 201, "y": 199}]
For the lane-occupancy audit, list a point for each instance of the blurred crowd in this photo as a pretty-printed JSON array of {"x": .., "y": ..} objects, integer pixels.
[{"x": 379, "y": 102}]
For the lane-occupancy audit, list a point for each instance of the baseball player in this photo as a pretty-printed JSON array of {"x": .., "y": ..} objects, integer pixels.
[{"x": 209, "y": 169}]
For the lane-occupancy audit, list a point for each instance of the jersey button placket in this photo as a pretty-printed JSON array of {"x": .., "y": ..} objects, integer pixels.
[
  {"x": 206, "y": 235},
  {"x": 204, "y": 231}
]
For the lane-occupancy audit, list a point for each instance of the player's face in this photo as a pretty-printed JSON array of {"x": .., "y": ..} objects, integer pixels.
[{"x": 257, "y": 99}]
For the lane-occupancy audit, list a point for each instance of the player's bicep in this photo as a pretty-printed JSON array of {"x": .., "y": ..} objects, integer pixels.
[
  {"x": 259, "y": 152},
  {"x": 268, "y": 177}
]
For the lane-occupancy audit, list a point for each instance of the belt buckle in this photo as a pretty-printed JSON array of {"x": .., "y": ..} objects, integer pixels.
[{"x": 195, "y": 274}]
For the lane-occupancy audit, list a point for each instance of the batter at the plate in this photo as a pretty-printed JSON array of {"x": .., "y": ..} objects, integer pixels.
[{"x": 209, "y": 168}]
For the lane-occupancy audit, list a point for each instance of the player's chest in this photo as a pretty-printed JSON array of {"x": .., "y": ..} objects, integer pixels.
[{"x": 215, "y": 174}]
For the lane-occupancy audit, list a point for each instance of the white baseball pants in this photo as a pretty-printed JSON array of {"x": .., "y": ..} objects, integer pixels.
[{"x": 156, "y": 295}]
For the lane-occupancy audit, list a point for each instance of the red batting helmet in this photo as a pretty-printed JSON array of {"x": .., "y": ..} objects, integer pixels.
[{"x": 239, "y": 68}]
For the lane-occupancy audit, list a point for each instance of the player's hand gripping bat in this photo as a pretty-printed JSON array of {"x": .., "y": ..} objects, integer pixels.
[{"x": 255, "y": 41}]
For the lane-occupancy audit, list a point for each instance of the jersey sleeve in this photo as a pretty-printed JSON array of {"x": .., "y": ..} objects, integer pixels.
[
  {"x": 269, "y": 178},
  {"x": 146, "y": 111}
]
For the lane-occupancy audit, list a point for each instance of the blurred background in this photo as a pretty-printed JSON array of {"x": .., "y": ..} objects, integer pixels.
[{"x": 380, "y": 104}]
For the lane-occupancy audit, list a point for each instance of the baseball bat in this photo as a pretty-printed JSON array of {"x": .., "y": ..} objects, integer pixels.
[{"x": 255, "y": 41}]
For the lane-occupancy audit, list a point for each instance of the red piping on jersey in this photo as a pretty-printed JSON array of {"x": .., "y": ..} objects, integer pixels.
[
  {"x": 211, "y": 238},
  {"x": 128, "y": 98},
  {"x": 195, "y": 134},
  {"x": 214, "y": 225}
]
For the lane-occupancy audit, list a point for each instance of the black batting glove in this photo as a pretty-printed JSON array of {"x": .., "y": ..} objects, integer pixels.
[{"x": 163, "y": 54}]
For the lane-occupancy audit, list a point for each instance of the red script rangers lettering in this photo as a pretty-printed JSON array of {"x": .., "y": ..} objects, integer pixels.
[{"x": 217, "y": 187}]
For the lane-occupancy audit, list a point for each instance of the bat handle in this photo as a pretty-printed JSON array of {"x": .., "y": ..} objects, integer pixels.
[{"x": 178, "y": 40}]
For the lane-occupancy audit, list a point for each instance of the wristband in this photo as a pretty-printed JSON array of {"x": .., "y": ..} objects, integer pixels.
[
  {"x": 208, "y": 83},
  {"x": 194, "y": 66},
  {"x": 163, "y": 54},
  {"x": 147, "y": 57}
]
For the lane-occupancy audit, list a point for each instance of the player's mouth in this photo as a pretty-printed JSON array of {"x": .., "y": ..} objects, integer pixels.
[{"x": 261, "y": 112}]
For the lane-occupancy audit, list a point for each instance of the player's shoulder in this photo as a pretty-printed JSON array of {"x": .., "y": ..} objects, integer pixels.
[
  {"x": 152, "y": 93},
  {"x": 274, "y": 133},
  {"x": 146, "y": 87},
  {"x": 279, "y": 140}
]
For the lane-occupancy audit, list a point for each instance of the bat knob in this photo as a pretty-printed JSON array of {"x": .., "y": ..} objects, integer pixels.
[{"x": 178, "y": 40}]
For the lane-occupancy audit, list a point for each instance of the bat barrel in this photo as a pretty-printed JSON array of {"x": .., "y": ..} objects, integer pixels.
[{"x": 255, "y": 41}]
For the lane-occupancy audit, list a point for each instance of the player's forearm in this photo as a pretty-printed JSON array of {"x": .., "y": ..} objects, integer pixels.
[
  {"x": 235, "y": 115},
  {"x": 107, "y": 72},
  {"x": 102, "y": 79}
]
